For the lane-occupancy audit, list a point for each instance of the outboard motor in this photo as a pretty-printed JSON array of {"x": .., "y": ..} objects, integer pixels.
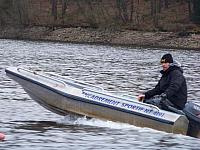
[{"x": 192, "y": 111}]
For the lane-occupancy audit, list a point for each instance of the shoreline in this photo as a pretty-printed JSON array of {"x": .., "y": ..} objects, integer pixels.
[{"x": 126, "y": 38}]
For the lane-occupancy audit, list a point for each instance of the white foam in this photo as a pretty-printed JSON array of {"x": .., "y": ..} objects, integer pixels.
[{"x": 77, "y": 120}]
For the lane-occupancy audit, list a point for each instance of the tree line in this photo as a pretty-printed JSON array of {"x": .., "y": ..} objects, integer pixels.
[
  {"x": 125, "y": 16},
  {"x": 16, "y": 11}
]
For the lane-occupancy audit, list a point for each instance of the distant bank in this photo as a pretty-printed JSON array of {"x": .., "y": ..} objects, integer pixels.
[{"x": 173, "y": 40}]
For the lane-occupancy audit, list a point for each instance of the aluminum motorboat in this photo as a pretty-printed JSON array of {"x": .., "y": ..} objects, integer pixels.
[{"x": 64, "y": 96}]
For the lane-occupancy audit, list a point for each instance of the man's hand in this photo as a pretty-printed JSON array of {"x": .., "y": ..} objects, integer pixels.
[
  {"x": 163, "y": 96},
  {"x": 141, "y": 98}
]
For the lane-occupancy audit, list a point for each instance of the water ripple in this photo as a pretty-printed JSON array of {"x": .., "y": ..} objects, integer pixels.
[{"x": 29, "y": 126}]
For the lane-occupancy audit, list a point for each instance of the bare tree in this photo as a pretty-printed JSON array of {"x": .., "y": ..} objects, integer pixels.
[
  {"x": 196, "y": 11},
  {"x": 21, "y": 11},
  {"x": 14, "y": 12},
  {"x": 122, "y": 8},
  {"x": 5, "y": 12},
  {"x": 64, "y": 7},
  {"x": 54, "y": 8},
  {"x": 131, "y": 14},
  {"x": 155, "y": 10}
]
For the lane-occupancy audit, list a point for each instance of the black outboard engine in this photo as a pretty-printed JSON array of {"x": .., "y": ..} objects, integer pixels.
[{"x": 192, "y": 111}]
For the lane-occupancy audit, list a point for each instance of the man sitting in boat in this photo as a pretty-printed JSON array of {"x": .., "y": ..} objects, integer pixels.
[{"x": 171, "y": 88}]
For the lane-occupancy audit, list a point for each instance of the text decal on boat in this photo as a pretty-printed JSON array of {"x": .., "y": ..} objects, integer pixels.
[{"x": 114, "y": 102}]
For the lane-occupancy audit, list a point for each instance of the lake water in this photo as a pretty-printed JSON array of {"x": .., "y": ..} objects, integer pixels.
[{"x": 29, "y": 126}]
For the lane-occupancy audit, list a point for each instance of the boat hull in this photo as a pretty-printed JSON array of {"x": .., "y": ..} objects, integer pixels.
[{"x": 64, "y": 103}]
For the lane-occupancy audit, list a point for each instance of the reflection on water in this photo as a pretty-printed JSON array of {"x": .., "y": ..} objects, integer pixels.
[{"x": 134, "y": 70}]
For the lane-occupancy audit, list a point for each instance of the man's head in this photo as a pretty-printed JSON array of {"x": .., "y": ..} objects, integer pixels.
[{"x": 166, "y": 60}]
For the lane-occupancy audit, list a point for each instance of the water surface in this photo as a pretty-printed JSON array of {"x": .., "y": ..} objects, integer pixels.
[{"x": 27, "y": 125}]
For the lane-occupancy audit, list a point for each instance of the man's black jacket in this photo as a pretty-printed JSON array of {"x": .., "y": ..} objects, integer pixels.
[{"x": 173, "y": 84}]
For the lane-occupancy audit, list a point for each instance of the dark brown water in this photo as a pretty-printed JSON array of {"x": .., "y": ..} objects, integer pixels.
[{"x": 29, "y": 126}]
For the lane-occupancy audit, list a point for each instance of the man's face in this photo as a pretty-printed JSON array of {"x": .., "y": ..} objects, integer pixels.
[{"x": 165, "y": 66}]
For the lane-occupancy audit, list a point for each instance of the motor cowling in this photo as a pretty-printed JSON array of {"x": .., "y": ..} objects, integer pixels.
[{"x": 192, "y": 111}]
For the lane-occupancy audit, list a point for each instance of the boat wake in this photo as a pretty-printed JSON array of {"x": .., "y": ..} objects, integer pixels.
[{"x": 83, "y": 120}]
